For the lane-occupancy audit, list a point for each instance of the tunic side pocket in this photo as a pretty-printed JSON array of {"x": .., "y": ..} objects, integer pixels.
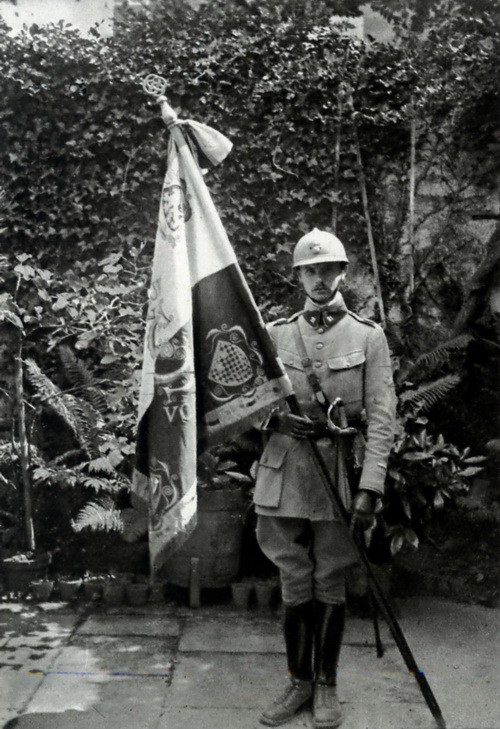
[{"x": 269, "y": 481}]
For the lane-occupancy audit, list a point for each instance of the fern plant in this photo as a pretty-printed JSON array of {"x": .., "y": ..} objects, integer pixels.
[
  {"x": 84, "y": 383},
  {"x": 99, "y": 515},
  {"x": 439, "y": 355},
  {"x": 75, "y": 415},
  {"x": 424, "y": 397},
  {"x": 80, "y": 454}
]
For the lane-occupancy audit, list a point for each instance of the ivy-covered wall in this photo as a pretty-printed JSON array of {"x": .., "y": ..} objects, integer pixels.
[{"x": 313, "y": 116}]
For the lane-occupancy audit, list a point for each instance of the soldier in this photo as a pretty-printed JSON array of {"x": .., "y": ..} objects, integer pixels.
[{"x": 328, "y": 352}]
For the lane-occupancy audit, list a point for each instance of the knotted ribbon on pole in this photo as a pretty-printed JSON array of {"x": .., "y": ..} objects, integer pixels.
[{"x": 209, "y": 368}]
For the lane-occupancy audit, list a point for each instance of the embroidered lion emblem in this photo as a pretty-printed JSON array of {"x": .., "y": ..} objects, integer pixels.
[{"x": 175, "y": 203}]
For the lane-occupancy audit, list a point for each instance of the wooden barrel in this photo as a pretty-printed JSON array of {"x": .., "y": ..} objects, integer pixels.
[{"x": 216, "y": 541}]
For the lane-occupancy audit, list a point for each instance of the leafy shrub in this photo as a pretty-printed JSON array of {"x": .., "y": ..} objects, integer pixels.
[{"x": 425, "y": 475}]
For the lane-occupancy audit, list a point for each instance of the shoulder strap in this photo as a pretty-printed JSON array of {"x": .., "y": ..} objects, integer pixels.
[
  {"x": 361, "y": 319},
  {"x": 312, "y": 377}
]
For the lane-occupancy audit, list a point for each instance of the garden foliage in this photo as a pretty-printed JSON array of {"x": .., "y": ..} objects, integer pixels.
[{"x": 83, "y": 154}]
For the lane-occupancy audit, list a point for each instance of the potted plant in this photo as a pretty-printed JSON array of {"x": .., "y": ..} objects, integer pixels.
[
  {"x": 69, "y": 587},
  {"x": 157, "y": 592},
  {"x": 93, "y": 585},
  {"x": 114, "y": 589},
  {"x": 137, "y": 592}
]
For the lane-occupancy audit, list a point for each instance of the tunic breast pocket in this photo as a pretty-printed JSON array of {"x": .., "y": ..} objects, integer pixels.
[
  {"x": 345, "y": 380},
  {"x": 295, "y": 371}
]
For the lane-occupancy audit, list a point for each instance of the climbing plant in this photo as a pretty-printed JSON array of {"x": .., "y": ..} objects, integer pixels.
[{"x": 312, "y": 113}]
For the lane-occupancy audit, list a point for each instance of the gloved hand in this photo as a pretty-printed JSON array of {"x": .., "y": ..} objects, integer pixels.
[
  {"x": 299, "y": 427},
  {"x": 293, "y": 425},
  {"x": 363, "y": 509}
]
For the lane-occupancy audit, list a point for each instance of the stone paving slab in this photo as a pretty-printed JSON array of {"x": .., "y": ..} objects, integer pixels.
[
  {"x": 363, "y": 676},
  {"x": 362, "y": 716},
  {"x": 387, "y": 715},
  {"x": 246, "y": 634},
  {"x": 224, "y": 680},
  {"x": 224, "y": 719},
  {"x": 101, "y": 699},
  {"x": 21, "y": 674},
  {"x": 209, "y": 693},
  {"x": 92, "y": 719},
  {"x": 117, "y": 682},
  {"x": 7, "y": 715},
  {"x": 460, "y": 646},
  {"x": 111, "y": 654},
  {"x": 232, "y": 680},
  {"x": 237, "y": 635},
  {"x": 32, "y": 623},
  {"x": 154, "y": 625},
  {"x": 32, "y": 642}
]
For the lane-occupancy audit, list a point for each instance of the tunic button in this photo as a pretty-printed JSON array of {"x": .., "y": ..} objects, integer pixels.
[
  {"x": 320, "y": 345},
  {"x": 321, "y": 330},
  {"x": 318, "y": 363}
]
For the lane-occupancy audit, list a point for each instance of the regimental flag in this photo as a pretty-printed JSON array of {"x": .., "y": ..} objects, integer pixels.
[{"x": 210, "y": 369}]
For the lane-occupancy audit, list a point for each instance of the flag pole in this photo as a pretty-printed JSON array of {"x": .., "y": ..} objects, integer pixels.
[{"x": 380, "y": 597}]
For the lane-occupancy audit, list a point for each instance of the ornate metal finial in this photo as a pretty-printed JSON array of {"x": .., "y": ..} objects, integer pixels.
[{"x": 154, "y": 85}]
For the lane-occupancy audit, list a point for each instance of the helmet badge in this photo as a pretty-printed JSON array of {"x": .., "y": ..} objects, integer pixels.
[{"x": 316, "y": 248}]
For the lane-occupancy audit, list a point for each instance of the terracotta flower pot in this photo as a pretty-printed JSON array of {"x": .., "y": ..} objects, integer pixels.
[
  {"x": 113, "y": 593},
  {"x": 69, "y": 589},
  {"x": 93, "y": 587},
  {"x": 42, "y": 589},
  {"x": 264, "y": 591},
  {"x": 241, "y": 594},
  {"x": 137, "y": 593},
  {"x": 157, "y": 592}
]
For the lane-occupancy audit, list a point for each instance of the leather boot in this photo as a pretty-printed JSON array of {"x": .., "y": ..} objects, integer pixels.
[
  {"x": 299, "y": 636},
  {"x": 329, "y": 628}
]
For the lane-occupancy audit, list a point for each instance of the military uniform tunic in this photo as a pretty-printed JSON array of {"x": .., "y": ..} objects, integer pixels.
[{"x": 351, "y": 359}]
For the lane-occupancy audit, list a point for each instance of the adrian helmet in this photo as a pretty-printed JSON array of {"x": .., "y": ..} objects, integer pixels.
[{"x": 318, "y": 246}]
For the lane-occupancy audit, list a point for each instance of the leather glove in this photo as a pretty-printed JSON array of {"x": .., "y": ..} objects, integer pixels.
[
  {"x": 299, "y": 427},
  {"x": 363, "y": 509},
  {"x": 293, "y": 425}
]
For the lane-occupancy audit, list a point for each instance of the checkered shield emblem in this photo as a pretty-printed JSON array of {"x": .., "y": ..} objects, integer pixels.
[{"x": 230, "y": 365}]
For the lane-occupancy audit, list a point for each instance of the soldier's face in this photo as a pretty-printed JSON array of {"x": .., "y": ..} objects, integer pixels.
[{"x": 320, "y": 281}]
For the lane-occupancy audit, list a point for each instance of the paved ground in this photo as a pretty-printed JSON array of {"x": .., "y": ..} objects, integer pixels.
[{"x": 168, "y": 667}]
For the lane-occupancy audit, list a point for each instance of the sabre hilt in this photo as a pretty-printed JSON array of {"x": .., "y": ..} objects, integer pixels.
[{"x": 337, "y": 412}]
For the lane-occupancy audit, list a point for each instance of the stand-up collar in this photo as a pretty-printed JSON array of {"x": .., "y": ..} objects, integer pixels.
[{"x": 324, "y": 315}]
